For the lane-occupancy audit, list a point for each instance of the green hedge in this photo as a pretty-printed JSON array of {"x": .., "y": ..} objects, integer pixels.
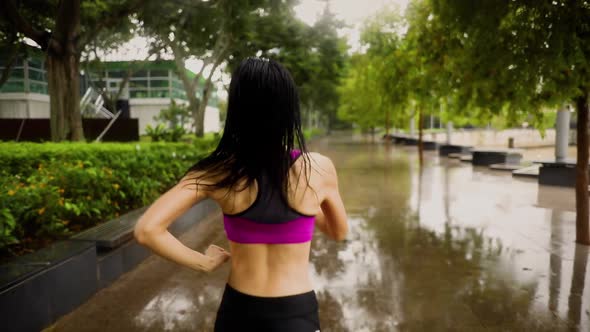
[{"x": 52, "y": 190}]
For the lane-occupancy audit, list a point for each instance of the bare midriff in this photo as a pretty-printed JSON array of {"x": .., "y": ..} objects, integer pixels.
[{"x": 270, "y": 270}]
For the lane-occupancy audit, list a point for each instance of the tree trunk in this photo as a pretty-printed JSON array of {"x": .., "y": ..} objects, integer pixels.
[
  {"x": 63, "y": 74},
  {"x": 420, "y": 146},
  {"x": 387, "y": 123},
  {"x": 194, "y": 106},
  {"x": 200, "y": 114},
  {"x": 64, "y": 94},
  {"x": 582, "y": 213}
]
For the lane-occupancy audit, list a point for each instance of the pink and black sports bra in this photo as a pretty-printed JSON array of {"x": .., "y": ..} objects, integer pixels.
[{"x": 269, "y": 219}]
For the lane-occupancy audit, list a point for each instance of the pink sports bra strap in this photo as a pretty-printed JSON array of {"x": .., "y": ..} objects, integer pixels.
[{"x": 295, "y": 153}]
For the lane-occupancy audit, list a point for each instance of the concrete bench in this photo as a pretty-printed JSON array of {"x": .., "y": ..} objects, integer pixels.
[
  {"x": 400, "y": 139},
  {"x": 446, "y": 149},
  {"x": 466, "y": 158},
  {"x": 552, "y": 173},
  {"x": 487, "y": 157},
  {"x": 112, "y": 233},
  {"x": 411, "y": 141},
  {"x": 38, "y": 288},
  {"x": 529, "y": 172},
  {"x": 458, "y": 155},
  {"x": 508, "y": 167},
  {"x": 429, "y": 145}
]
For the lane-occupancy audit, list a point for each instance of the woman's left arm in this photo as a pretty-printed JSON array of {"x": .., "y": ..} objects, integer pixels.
[{"x": 151, "y": 229}]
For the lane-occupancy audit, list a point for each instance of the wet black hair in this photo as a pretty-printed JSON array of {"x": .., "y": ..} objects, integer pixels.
[{"x": 262, "y": 127}]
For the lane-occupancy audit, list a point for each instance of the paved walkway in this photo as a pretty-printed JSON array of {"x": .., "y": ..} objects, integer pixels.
[{"x": 453, "y": 248}]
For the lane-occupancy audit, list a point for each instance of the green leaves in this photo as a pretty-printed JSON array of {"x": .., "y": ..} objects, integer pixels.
[
  {"x": 519, "y": 57},
  {"x": 51, "y": 190}
]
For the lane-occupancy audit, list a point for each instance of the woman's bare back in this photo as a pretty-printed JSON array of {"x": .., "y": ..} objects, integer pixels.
[{"x": 272, "y": 270}]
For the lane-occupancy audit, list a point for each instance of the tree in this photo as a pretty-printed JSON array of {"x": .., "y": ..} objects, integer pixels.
[
  {"x": 10, "y": 49},
  {"x": 331, "y": 60},
  {"x": 216, "y": 32},
  {"x": 55, "y": 26},
  {"x": 383, "y": 36},
  {"x": 519, "y": 57},
  {"x": 376, "y": 91},
  {"x": 362, "y": 98}
]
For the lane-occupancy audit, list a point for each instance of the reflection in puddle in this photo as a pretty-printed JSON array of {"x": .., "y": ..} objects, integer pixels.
[
  {"x": 451, "y": 247},
  {"x": 176, "y": 308}
]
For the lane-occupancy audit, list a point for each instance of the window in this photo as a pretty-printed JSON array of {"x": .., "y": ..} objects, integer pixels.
[
  {"x": 177, "y": 84},
  {"x": 116, "y": 73},
  {"x": 37, "y": 87},
  {"x": 140, "y": 74},
  {"x": 17, "y": 73},
  {"x": 158, "y": 73},
  {"x": 138, "y": 94},
  {"x": 180, "y": 94},
  {"x": 37, "y": 75},
  {"x": 138, "y": 84},
  {"x": 159, "y": 83},
  {"x": 159, "y": 94},
  {"x": 13, "y": 86},
  {"x": 36, "y": 63}
]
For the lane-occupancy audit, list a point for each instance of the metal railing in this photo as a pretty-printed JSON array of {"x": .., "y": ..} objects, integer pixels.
[{"x": 92, "y": 105}]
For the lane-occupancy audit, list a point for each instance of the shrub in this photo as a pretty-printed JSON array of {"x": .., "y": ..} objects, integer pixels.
[
  {"x": 157, "y": 133},
  {"x": 53, "y": 190}
]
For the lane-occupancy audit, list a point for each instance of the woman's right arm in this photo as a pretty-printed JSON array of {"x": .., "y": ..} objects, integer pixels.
[{"x": 332, "y": 220}]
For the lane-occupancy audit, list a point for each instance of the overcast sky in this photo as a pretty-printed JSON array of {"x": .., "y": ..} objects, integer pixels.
[{"x": 352, "y": 12}]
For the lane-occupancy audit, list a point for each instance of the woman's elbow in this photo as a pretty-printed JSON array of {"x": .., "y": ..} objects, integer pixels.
[
  {"x": 140, "y": 235},
  {"x": 340, "y": 234},
  {"x": 143, "y": 234}
]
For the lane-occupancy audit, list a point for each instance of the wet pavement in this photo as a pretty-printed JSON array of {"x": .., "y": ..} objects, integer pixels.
[{"x": 451, "y": 248}]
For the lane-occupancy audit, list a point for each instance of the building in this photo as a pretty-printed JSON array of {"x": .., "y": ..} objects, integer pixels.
[
  {"x": 150, "y": 87},
  {"x": 24, "y": 94}
]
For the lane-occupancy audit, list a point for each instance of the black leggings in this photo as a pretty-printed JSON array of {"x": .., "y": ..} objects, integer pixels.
[{"x": 243, "y": 312}]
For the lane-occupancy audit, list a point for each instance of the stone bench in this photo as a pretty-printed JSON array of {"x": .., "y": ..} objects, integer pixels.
[
  {"x": 38, "y": 288},
  {"x": 466, "y": 158},
  {"x": 508, "y": 167},
  {"x": 487, "y": 157},
  {"x": 446, "y": 149},
  {"x": 113, "y": 233},
  {"x": 429, "y": 145},
  {"x": 401, "y": 139},
  {"x": 529, "y": 171},
  {"x": 552, "y": 173},
  {"x": 411, "y": 141}
]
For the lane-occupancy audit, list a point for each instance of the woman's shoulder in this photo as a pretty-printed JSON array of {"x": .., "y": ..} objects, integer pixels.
[{"x": 321, "y": 164}]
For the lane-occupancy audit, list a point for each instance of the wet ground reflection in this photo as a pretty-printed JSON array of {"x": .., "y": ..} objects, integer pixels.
[{"x": 450, "y": 248}]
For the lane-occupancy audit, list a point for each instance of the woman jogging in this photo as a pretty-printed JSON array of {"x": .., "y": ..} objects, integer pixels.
[{"x": 272, "y": 193}]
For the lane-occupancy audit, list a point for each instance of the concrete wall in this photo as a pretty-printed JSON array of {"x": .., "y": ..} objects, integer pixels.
[
  {"x": 497, "y": 138},
  {"x": 212, "y": 122},
  {"x": 145, "y": 109},
  {"x": 24, "y": 105}
]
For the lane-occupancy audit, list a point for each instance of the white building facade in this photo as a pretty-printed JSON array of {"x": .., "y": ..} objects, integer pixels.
[{"x": 149, "y": 88}]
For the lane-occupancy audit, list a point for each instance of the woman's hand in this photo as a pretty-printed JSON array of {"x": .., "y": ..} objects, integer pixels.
[{"x": 216, "y": 256}]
